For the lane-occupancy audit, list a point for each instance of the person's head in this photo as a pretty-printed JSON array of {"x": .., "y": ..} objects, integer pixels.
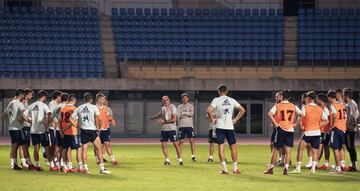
[
  {"x": 28, "y": 94},
  {"x": 311, "y": 96},
  {"x": 185, "y": 98},
  {"x": 100, "y": 99},
  {"x": 321, "y": 99},
  {"x": 331, "y": 94},
  {"x": 42, "y": 95},
  {"x": 56, "y": 96},
  {"x": 222, "y": 90},
  {"x": 339, "y": 94},
  {"x": 88, "y": 97},
  {"x": 72, "y": 99},
  {"x": 348, "y": 94},
  {"x": 20, "y": 93},
  {"x": 64, "y": 97},
  {"x": 304, "y": 98},
  {"x": 286, "y": 94},
  {"x": 165, "y": 100},
  {"x": 278, "y": 96}
]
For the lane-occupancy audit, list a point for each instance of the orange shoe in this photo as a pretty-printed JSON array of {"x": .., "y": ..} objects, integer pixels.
[
  {"x": 350, "y": 169},
  {"x": 115, "y": 162},
  {"x": 64, "y": 170},
  {"x": 32, "y": 167},
  {"x": 324, "y": 167},
  {"x": 71, "y": 170},
  {"x": 54, "y": 168},
  {"x": 269, "y": 171}
]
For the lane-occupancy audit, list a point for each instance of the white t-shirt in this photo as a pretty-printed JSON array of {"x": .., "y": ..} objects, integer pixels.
[
  {"x": 86, "y": 116},
  {"x": 166, "y": 113},
  {"x": 324, "y": 116},
  {"x": 224, "y": 109},
  {"x": 14, "y": 112},
  {"x": 26, "y": 112},
  {"x": 53, "y": 106},
  {"x": 37, "y": 113}
]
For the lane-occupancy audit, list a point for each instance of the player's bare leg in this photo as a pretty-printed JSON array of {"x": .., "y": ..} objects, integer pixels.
[
  {"x": 211, "y": 152},
  {"x": 337, "y": 156},
  {"x": 273, "y": 161},
  {"x": 192, "y": 145},
  {"x": 63, "y": 166},
  {"x": 13, "y": 156},
  {"x": 79, "y": 160},
  {"x": 165, "y": 151},
  {"x": 222, "y": 158},
  {"x": 36, "y": 157},
  {"x": 97, "y": 144},
  {"x": 234, "y": 157},
  {"x": 50, "y": 156},
  {"x": 310, "y": 159},
  {"x": 299, "y": 156},
  {"x": 178, "y": 152},
  {"x": 84, "y": 148},
  {"x": 69, "y": 163},
  {"x": 108, "y": 148},
  {"x": 314, "y": 154},
  {"x": 181, "y": 144},
  {"x": 342, "y": 158}
]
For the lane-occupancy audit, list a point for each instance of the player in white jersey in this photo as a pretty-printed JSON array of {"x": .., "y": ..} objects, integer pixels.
[
  {"x": 211, "y": 137},
  {"x": 40, "y": 113},
  {"x": 224, "y": 107},
  {"x": 14, "y": 112},
  {"x": 54, "y": 124},
  {"x": 88, "y": 120},
  {"x": 186, "y": 124},
  {"x": 167, "y": 118},
  {"x": 24, "y": 153},
  {"x": 57, "y": 114}
]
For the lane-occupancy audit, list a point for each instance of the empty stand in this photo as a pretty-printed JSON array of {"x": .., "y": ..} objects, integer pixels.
[
  {"x": 198, "y": 34},
  {"x": 329, "y": 35},
  {"x": 53, "y": 42}
]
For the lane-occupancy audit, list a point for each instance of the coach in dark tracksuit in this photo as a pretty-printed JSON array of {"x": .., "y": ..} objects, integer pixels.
[{"x": 352, "y": 111}]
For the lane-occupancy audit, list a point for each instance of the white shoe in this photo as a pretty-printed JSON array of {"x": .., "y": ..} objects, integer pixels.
[
  {"x": 105, "y": 171},
  {"x": 308, "y": 165},
  {"x": 312, "y": 171},
  {"x": 295, "y": 172}
]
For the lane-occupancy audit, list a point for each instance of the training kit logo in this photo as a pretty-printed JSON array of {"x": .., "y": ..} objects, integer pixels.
[
  {"x": 35, "y": 108},
  {"x": 226, "y": 102},
  {"x": 85, "y": 110}
]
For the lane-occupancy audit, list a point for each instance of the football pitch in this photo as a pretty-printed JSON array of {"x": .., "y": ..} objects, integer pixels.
[{"x": 141, "y": 169}]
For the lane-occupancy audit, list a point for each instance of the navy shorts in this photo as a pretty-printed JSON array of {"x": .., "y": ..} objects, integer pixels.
[
  {"x": 17, "y": 137},
  {"x": 314, "y": 141},
  {"x": 211, "y": 137},
  {"x": 105, "y": 136},
  {"x": 26, "y": 131},
  {"x": 337, "y": 138},
  {"x": 273, "y": 135},
  {"x": 42, "y": 139},
  {"x": 52, "y": 133},
  {"x": 186, "y": 131},
  {"x": 88, "y": 136},
  {"x": 229, "y": 135},
  {"x": 58, "y": 139},
  {"x": 325, "y": 138},
  {"x": 72, "y": 141},
  {"x": 166, "y": 135},
  {"x": 283, "y": 138}
]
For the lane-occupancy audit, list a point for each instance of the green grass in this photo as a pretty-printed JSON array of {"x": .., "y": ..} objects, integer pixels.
[{"x": 141, "y": 169}]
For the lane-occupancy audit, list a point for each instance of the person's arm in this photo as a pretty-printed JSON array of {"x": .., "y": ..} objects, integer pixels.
[
  {"x": 240, "y": 113},
  {"x": 333, "y": 115},
  {"x": 271, "y": 116},
  {"x": 210, "y": 110},
  {"x": 190, "y": 112},
  {"x": 171, "y": 120},
  {"x": 324, "y": 119},
  {"x": 156, "y": 116}
]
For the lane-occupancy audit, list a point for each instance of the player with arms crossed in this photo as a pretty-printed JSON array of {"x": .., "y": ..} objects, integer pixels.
[
  {"x": 88, "y": 117},
  {"x": 314, "y": 118},
  {"x": 283, "y": 116},
  {"x": 54, "y": 125},
  {"x": 167, "y": 118},
  {"x": 14, "y": 112},
  {"x": 224, "y": 106},
  {"x": 185, "y": 124}
]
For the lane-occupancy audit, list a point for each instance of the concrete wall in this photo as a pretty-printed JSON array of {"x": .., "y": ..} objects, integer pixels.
[{"x": 177, "y": 84}]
